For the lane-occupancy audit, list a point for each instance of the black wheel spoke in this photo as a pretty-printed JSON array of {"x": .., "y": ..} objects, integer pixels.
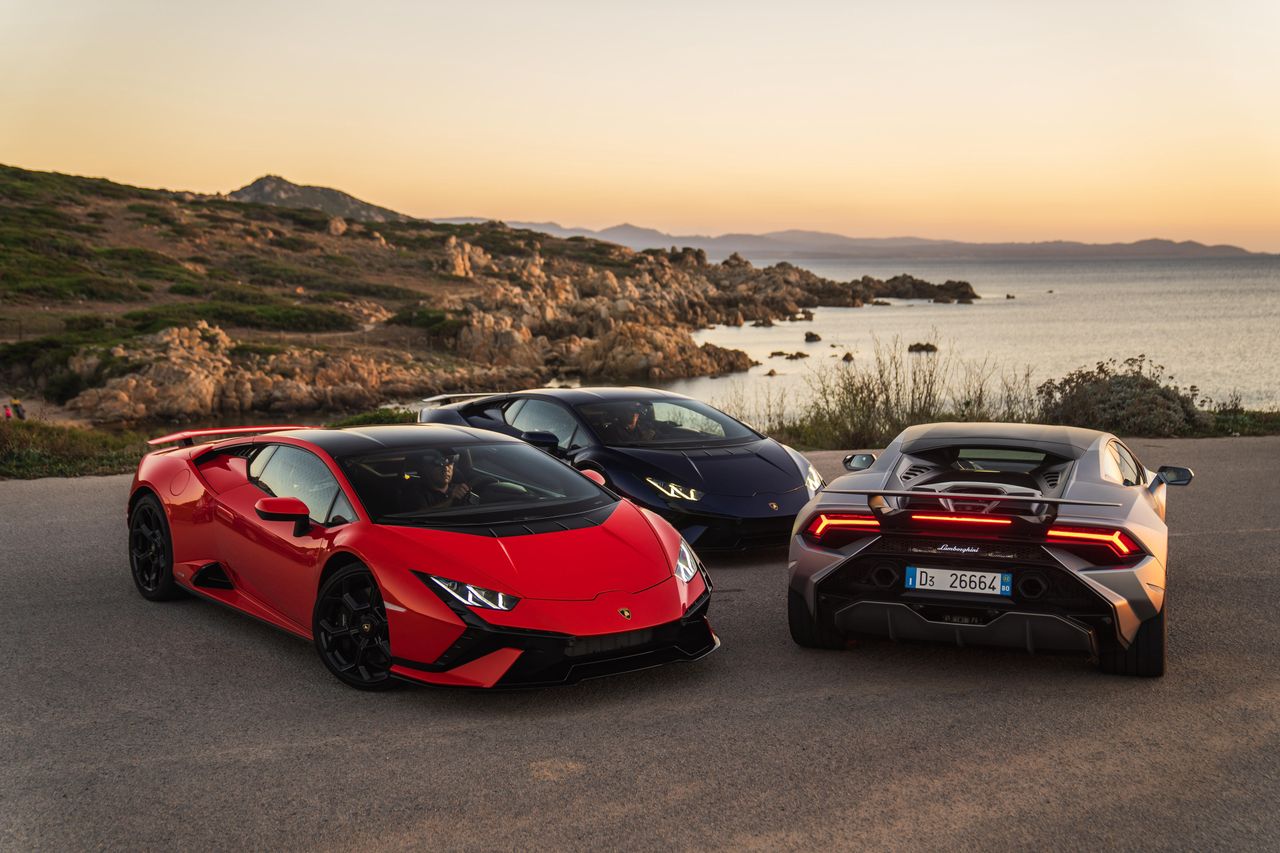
[{"x": 351, "y": 630}]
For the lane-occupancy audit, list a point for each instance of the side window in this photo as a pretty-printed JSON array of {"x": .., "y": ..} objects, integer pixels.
[
  {"x": 342, "y": 512},
  {"x": 1111, "y": 464},
  {"x": 541, "y": 416},
  {"x": 513, "y": 408},
  {"x": 260, "y": 459},
  {"x": 292, "y": 472},
  {"x": 1128, "y": 465}
]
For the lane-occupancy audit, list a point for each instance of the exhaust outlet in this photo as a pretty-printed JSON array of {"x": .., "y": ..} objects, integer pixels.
[
  {"x": 884, "y": 575},
  {"x": 1032, "y": 586}
]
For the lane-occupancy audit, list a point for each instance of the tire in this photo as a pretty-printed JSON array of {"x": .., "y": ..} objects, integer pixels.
[
  {"x": 1145, "y": 656},
  {"x": 806, "y": 630},
  {"x": 349, "y": 624},
  {"x": 151, "y": 551}
]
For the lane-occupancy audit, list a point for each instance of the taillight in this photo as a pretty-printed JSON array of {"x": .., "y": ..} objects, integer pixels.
[
  {"x": 1102, "y": 545},
  {"x": 980, "y": 520},
  {"x": 833, "y": 529}
]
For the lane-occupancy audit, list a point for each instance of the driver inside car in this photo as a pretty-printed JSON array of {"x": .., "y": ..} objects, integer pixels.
[
  {"x": 630, "y": 423},
  {"x": 440, "y": 487}
]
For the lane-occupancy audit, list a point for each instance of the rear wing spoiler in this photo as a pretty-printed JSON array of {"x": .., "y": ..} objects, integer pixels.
[
  {"x": 440, "y": 400},
  {"x": 903, "y": 493},
  {"x": 445, "y": 399},
  {"x": 187, "y": 438}
]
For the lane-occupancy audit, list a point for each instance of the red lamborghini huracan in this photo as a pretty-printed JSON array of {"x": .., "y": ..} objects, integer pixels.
[{"x": 436, "y": 554}]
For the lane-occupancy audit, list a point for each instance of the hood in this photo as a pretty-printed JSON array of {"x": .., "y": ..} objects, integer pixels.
[
  {"x": 757, "y": 467},
  {"x": 622, "y": 554}
]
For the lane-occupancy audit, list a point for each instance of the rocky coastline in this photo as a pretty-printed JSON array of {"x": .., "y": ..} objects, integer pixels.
[
  {"x": 532, "y": 320},
  {"x": 170, "y": 306}
]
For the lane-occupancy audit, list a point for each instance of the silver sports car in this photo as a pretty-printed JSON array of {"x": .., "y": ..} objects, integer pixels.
[{"x": 1046, "y": 538}]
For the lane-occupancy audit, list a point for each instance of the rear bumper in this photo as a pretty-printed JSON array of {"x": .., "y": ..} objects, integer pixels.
[
  {"x": 487, "y": 655},
  {"x": 1055, "y": 604},
  {"x": 1036, "y": 632}
]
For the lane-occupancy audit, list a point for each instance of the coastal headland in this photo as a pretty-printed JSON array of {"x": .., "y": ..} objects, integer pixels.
[{"x": 129, "y": 305}]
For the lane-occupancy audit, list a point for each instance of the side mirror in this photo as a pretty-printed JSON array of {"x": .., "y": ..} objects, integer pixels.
[
  {"x": 285, "y": 509},
  {"x": 593, "y": 475},
  {"x": 1175, "y": 475},
  {"x": 542, "y": 440},
  {"x": 859, "y": 461}
]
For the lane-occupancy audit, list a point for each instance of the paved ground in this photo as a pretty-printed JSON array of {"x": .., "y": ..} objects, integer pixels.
[{"x": 125, "y": 724}]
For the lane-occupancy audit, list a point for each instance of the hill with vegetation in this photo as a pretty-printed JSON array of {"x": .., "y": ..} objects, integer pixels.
[
  {"x": 130, "y": 304},
  {"x": 275, "y": 190}
]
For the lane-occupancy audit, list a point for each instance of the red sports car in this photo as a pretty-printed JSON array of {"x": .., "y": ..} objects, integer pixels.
[{"x": 437, "y": 554}]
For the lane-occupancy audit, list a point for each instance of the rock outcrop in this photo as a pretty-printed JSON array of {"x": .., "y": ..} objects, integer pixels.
[{"x": 196, "y": 373}]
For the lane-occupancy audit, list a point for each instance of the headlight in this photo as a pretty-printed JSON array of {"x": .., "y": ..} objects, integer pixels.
[
  {"x": 674, "y": 490},
  {"x": 813, "y": 480},
  {"x": 686, "y": 562},
  {"x": 476, "y": 596}
]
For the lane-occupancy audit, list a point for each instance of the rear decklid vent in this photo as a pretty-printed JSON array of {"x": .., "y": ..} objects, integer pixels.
[
  {"x": 914, "y": 471},
  {"x": 1051, "y": 479}
]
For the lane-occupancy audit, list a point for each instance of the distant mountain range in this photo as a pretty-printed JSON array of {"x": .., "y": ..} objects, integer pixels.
[
  {"x": 796, "y": 244},
  {"x": 780, "y": 245}
]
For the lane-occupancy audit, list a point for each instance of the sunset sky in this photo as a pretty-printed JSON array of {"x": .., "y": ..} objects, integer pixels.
[{"x": 975, "y": 121}]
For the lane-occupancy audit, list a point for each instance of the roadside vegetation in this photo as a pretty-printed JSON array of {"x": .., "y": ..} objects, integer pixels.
[
  {"x": 30, "y": 449},
  {"x": 384, "y": 415},
  {"x": 865, "y": 404},
  {"x": 33, "y": 448}
]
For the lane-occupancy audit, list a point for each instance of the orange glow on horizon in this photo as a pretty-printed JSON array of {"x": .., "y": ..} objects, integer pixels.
[{"x": 984, "y": 122}]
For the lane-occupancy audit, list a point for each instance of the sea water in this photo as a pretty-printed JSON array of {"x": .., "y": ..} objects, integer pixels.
[{"x": 1212, "y": 323}]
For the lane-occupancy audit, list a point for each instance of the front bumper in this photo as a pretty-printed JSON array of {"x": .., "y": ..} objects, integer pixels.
[
  {"x": 488, "y": 655},
  {"x": 720, "y": 522}
]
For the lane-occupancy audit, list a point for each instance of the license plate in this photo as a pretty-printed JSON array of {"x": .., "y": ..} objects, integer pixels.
[{"x": 952, "y": 580}]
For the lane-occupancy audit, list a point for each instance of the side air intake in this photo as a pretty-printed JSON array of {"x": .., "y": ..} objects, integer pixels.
[{"x": 211, "y": 576}]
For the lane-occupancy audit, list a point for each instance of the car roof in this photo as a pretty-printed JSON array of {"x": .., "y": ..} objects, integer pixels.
[
  {"x": 578, "y": 396},
  {"x": 371, "y": 439},
  {"x": 1063, "y": 440}
]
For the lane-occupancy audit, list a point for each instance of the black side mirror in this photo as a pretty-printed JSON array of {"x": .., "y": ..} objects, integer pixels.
[
  {"x": 543, "y": 441},
  {"x": 859, "y": 461},
  {"x": 1175, "y": 475}
]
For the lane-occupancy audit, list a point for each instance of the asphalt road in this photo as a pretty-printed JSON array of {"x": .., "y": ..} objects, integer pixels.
[{"x": 126, "y": 724}]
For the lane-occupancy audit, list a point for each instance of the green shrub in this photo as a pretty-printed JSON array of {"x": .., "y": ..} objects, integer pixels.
[
  {"x": 30, "y": 449},
  {"x": 419, "y": 317},
  {"x": 377, "y": 416},
  {"x": 245, "y": 349},
  {"x": 152, "y": 214},
  {"x": 861, "y": 404},
  {"x": 280, "y": 317},
  {"x": 293, "y": 244},
  {"x": 1133, "y": 397},
  {"x": 84, "y": 322}
]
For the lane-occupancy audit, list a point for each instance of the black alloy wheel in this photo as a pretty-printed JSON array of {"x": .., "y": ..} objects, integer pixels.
[
  {"x": 151, "y": 551},
  {"x": 350, "y": 629}
]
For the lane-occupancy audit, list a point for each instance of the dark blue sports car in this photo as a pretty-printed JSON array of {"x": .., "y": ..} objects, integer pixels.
[{"x": 719, "y": 482}]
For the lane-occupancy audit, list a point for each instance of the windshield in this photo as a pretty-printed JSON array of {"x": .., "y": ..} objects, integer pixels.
[
  {"x": 471, "y": 484},
  {"x": 661, "y": 423}
]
